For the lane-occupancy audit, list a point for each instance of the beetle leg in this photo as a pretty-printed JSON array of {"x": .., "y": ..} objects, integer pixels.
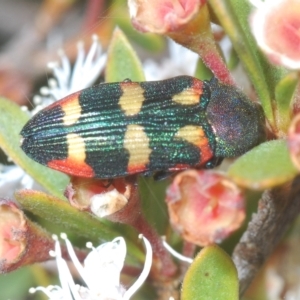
[{"x": 214, "y": 162}]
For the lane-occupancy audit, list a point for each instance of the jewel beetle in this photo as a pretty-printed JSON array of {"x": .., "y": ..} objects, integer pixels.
[{"x": 117, "y": 129}]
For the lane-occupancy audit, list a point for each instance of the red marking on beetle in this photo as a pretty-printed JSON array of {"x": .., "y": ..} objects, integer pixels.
[
  {"x": 68, "y": 100},
  {"x": 136, "y": 169},
  {"x": 72, "y": 167},
  {"x": 197, "y": 86},
  {"x": 206, "y": 152},
  {"x": 179, "y": 167}
]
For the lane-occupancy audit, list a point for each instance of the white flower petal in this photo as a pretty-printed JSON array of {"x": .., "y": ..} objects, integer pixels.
[
  {"x": 87, "y": 69},
  {"x": 107, "y": 262},
  {"x": 101, "y": 272},
  {"x": 67, "y": 80},
  {"x": 77, "y": 70},
  {"x": 107, "y": 203},
  {"x": 53, "y": 292},
  {"x": 181, "y": 62},
  {"x": 13, "y": 178}
]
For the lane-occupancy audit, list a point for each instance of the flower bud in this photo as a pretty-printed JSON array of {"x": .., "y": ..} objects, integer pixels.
[
  {"x": 169, "y": 15},
  {"x": 204, "y": 206},
  {"x": 21, "y": 241},
  {"x": 275, "y": 26},
  {"x": 187, "y": 22}
]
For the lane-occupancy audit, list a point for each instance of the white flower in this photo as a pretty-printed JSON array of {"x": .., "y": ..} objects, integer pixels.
[
  {"x": 181, "y": 62},
  {"x": 86, "y": 70},
  {"x": 13, "y": 178},
  {"x": 100, "y": 272},
  {"x": 66, "y": 81}
]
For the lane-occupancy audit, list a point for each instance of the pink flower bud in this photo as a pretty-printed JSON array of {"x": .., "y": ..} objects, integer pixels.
[
  {"x": 21, "y": 241},
  {"x": 187, "y": 22},
  {"x": 204, "y": 206},
  {"x": 275, "y": 26},
  {"x": 161, "y": 16}
]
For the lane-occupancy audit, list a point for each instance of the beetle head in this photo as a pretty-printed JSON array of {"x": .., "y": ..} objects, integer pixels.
[{"x": 237, "y": 122}]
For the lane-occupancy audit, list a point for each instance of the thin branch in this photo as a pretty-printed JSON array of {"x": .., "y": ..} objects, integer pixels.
[{"x": 277, "y": 209}]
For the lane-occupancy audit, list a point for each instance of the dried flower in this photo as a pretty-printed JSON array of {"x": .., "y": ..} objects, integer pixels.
[
  {"x": 21, "y": 241},
  {"x": 204, "y": 206},
  {"x": 275, "y": 25},
  {"x": 169, "y": 15},
  {"x": 101, "y": 197}
]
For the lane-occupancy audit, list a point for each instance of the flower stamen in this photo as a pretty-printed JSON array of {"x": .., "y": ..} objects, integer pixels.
[
  {"x": 176, "y": 254},
  {"x": 146, "y": 270}
]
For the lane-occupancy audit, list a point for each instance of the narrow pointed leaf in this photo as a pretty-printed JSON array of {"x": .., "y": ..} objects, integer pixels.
[
  {"x": 211, "y": 276},
  {"x": 284, "y": 95},
  {"x": 154, "y": 207},
  {"x": 11, "y": 122},
  {"x": 122, "y": 61},
  {"x": 265, "y": 166},
  {"x": 63, "y": 214}
]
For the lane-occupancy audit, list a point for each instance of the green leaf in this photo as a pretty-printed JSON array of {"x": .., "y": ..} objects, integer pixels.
[
  {"x": 154, "y": 207},
  {"x": 11, "y": 122},
  {"x": 264, "y": 166},
  {"x": 151, "y": 42},
  {"x": 122, "y": 61},
  {"x": 284, "y": 93},
  {"x": 211, "y": 276},
  {"x": 24, "y": 279},
  {"x": 233, "y": 60},
  {"x": 63, "y": 214},
  {"x": 202, "y": 71},
  {"x": 234, "y": 18}
]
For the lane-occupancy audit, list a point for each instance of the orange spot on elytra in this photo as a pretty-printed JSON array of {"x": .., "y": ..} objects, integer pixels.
[
  {"x": 196, "y": 136},
  {"x": 136, "y": 169},
  {"x": 72, "y": 167}
]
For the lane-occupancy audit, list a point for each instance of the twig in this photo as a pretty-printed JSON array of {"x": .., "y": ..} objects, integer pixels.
[{"x": 277, "y": 209}]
